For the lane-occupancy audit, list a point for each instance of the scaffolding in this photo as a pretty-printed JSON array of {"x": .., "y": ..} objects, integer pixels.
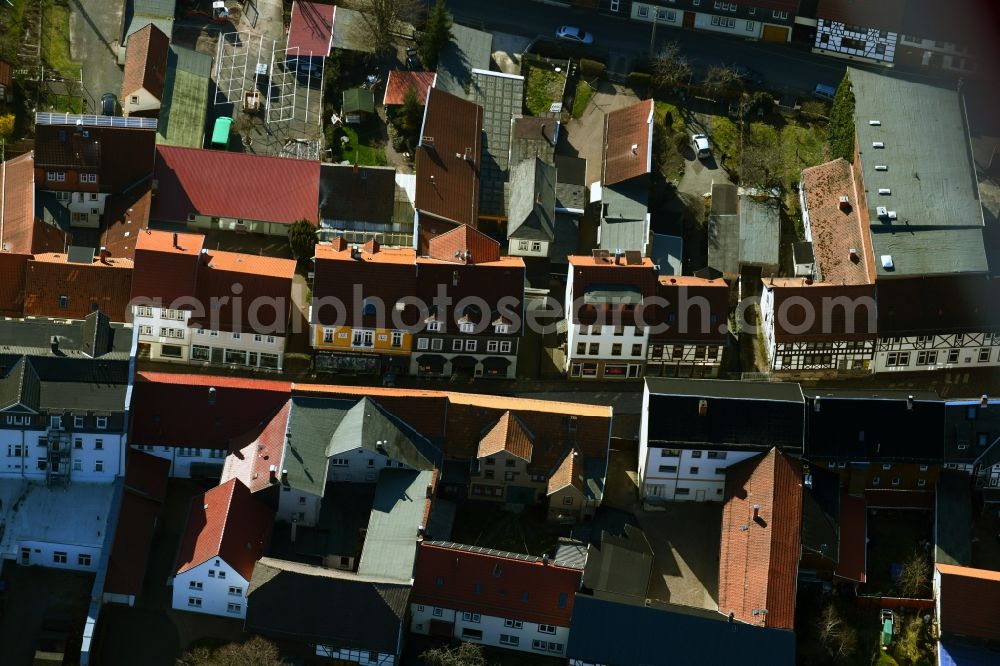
[{"x": 255, "y": 74}]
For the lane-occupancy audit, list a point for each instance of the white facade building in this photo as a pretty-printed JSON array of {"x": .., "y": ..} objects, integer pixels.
[
  {"x": 937, "y": 352},
  {"x": 606, "y": 351},
  {"x": 500, "y": 632},
  {"x": 688, "y": 475},
  {"x": 182, "y": 459},
  {"x": 855, "y": 42},
  {"x": 214, "y": 588}
]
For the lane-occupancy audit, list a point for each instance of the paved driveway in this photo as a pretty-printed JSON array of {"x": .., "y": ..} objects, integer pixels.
[{"x": 94, "y": 26}]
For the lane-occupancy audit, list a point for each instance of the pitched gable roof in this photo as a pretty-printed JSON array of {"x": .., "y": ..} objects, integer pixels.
[
  {"x": 145, "y": 62},
  {"x": 229, "y": 523},
  {"x": 401, "y": 80},
  {"x": 239, "y": 185},
  {"x": 464, "y": 244},
  {"x": 628, "y": 143},
  {"x": 532, "y": 201},
  {"x": 970, "y": 602},
  {"x": 13, "y": 270},
  {"x": 251, "y": 461},
  {"x": 761, "y": 532},
  {"x": 19, "y": 233},
  {"x": 88, "y": 286},
  {"x": 311, "y": 28},
  {"x": 510, "y": 435},
  {"x": 568, "y": 473}
]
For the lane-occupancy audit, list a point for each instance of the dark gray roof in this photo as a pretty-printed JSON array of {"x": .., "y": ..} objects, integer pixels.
[
  {"x": 393, "y": 529},
  {"x": 931, "y": 176},
  {"x": 625, "y": 201},
  {"x": 624, "y": 234},
  {"x": 802, "y": 252},
  {"x": 623, "y": 634},
  {"x": 953, "y": 518},
  {"x": 963, "y": 437},
  {"x": 720, "y": 414},
  {"x": 760, "y": 227},
  {"x": 502, "y": 97},
  {"x": 76, "y": 338},
  {"x": 468, "y": 49},
  {"x": 534, "y": 137},
  {"x": 567, "y": 240},
  {"x": 441, "y": 519},
  {"x": 532, "y": 201},
  {"x": 350, "y": 193},
  {"x": 321, "y": 428},
  {"x": 668, "y": 252},
  {"x": 620, "y": 564},
  {"x": 821, "y": 513},
  {"x": 725, "y": 199},
  {"x": 343, "y": 516},
  {"x": 570, "y": 553},
  {"x": 316, "y": 605}
]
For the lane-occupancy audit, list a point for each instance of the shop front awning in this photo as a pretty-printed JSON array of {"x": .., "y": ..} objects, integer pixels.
[
  {"x": 497, "y": 362},
  {"x": 463, "y": 362},
  {"x": 432, "y": 360}
]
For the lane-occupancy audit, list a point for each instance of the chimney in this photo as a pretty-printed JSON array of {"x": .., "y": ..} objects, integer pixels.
[
  {"x": 844, "y": 204},
  {"x": 454, "y": 278},
  {"x": 355, "y": 252},
  {"x": 703, "y": 407},
  {"x": 430, "y": 491},
  {"x": 176, "y": 244},
  {"x": 54, "y": 344},
  {"x": 295, "y": 528},
  {"x": 756, "y": 511},
  {"x": 211, "y": 395},
  {"x": 339, "y": 243},
  {"x": 909, "y": 403},
  {"x": 853, "y": 254},
  {"x": 205, "y": 259},
  {"x": 272, "y": 474},
  {"x": 284, "y": 476},
  {"x": 618, "y": 256},
  {"x": 545, "y": 560},
  {"x": 104, "y": 255},
  {"x": 984, "y": 401},
  {"x": 372, "y": 246},
  {"x": 635, "y": 149},
  {"x": 816, "y": 404}
]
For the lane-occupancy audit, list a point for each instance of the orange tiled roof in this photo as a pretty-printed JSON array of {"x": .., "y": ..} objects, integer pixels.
[
  {"x": 145, "y": 62},
  {"x": 17, "y": 212},
  {"x": 970, "y": 602},
  {"x": 509, "y": 435},
  {"x": 104, "y": 284},
  {"x": 628, "y": 138},
  {"x": 251, "y": 264},
  {"x": 568, "y": 473},
  {"x": 401, "y": 80}
]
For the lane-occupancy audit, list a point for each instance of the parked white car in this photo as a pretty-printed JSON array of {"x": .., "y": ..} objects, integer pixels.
[
  {"x": 699, "y": 142},
  {"x": 572, "y": 34}
]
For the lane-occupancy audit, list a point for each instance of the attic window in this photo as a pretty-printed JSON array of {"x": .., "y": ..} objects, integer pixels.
[
  {"x": 63, "y": 302},
  {"x": 881, "y": 167},
  {"x": 875, "y": 123},
  {"x": 878, "y": 144},
  {"x": 497, "y": 571}
]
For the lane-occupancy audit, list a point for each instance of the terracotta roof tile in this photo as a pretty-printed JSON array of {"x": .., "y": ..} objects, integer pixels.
[
  {"x": 311, "y": 29},
  {"x": 970, "y": 602},
  {"x": 252, "y": 277},
  {"x": 589, "y": 273},
  {"x": 835, "y": 231},
  {"x": 463, "y": 244},
  {"x": 126, "y": 216},
  {"x": 507, "y": 435},
  {"x": 105, "y": 284},
  {"x": 145, "y": 62},
  {"x": 166, "y": 265},
  {"x": 17, "y": 212},
  {"x": 568, "y": 473},
  {"x": 758, "y": 566},
  {"x": 386, "y": 274},
  {"x": 229, "y": 523},
  {"x": 447, "y": 161},
  {"x": 853, "y": 551},
  {"x": 94, "y": 148},
  {"x": 493, "y": 583},
  {"x": 679, "y": 291},
  {"x": 828, "y": 323},
  {"x": 401, "y": 80},
  {"x": 238, "y": 185},
  {"x": 13, "y": 271},
  {"x": 251, "y": 457},
  {"x": 628, "y": 139}
]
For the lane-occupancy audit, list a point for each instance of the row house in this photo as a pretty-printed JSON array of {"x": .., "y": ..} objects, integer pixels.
[
  {"x": 692, "y": 431},
  {"x": 363, "y": 202},
  {"x": 693, "y": 331},
  {"x": 75, "y": 283},
  {"x": 23, "y": 229},
  {"x": 63, "y": 424},
  {"x": 765, "y": 20},
  {"x": 78, "y": 161},
  {"x": 457, "y": 311},
  {"x": 200, "y": 306},
  {"x": 240, "y": 192},
  {"x": 145, "y": 71},
  {"x": 894, "y": 287},
  {"x": 972, "y": 442},
  {"x": 910, "y": 34},
  {"x": 493, "y": 598}
]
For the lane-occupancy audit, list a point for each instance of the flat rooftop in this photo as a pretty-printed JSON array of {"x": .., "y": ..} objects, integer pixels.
[
  {"x": 929, "y": 173},
  {"x": 685, "y": 540},
  {"x": 76, "y": 514}
]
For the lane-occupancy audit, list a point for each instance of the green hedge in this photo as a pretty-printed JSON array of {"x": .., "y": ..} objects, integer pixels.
[{"x": 591, "y": 68}]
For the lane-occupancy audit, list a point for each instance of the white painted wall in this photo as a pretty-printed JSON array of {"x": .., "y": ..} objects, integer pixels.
[
  {"x": 139, "y": 100},
  {"x": 493, "y": 628},
  {"x": 355, "y": 655},
  {"x": 966, "y": 349},
  {"x": 730, "y": 25},
  {"x": 705, "y": 484},
  {"x": 523, "y": 248},
  {"x": 644, "y": 11},
  {"x": 86, "y": 203},
  {"x": 20, "y": 454},
  {"x": 875, "y": 45},
  {"x": 182, "y": 458},
  {"x": 360, "y": 466},
  {"x": 767, "y": 319},
  {"x": 215, "y": 577},
  {"x": 298, "y": 505},
  {"x": 42, "y": 553}
]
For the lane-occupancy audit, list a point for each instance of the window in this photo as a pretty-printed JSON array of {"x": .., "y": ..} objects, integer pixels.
[
  {"x": 898, "y": 359},
  {"x": 926, "y": 358},
  {"x": 471, "y": 617},
  {"x": 57, "y": 176},
  {"x": 896, "y": 480},
  {"x": 437, "y": 612},
  {"x": 456, "y": 345},
  {"x": 470, "y": 345},
  {"x": 233, "y": 608},
  {"x": 981, "y": 439},
  {"x": 222, "y": 574},
  {"x": 59, "y": 557},
  {"x": 668, "y": 469},
  {"x": 971, "y": 413},
  {"x": 194, "y": 602},
  {"x": 779, "y": 15},
  {"x": 98, "y": 444},
  {"x": 984, "y": 355},
  {"x": 235, "y": 591},
  {"x": 953, "y": 356},
  {"x": 619, "y": 330},
  {"x": 98, "y": 465},
  {"x": 474, "y": 634},
  {"x": 507, "y": 639},
  {"x": 492, "y": 346},
  {"x": 363, "y": 338},
  {"x": 200, "y": 353},
  {"x": 876, "y": 480},
  {"x": 636, "y": 350},
  {"x": 696, "y": 454},
  {"x": 467, "y": 327},
  {"x": 643, "y": 12},
  {"x": 959, "y": 339},
  {"x": 683, "y": 491},
  {"x": 195, "y": 585},
  {"x": 397, "y": 339},
  {"x": 594, "y": 349},
  {"x": 434, "y": 326},
  {"x": 581, "y": 348},
  {"x": 716, "y": 455},
  {"x": 522, "y": 246},
  {"x": 536, "y": 246},
  {"x": 501, "y": 328},
  {"x": 63, "y": 302},
  {"x": 516, "y": 624},
  {"x": 546, "y": 629},
  {"x": 921, "y": 483},
  {"x": 78, "y": 443},
  {"x": 694, "y": 470},
  {"x": 145, "y": 329},
  {"x": 886, "y": 466},
  {"x": 422, "y": 343},
  {"x": 616, "y": 349},
  {"x": 671, "y": 453},
  {"x": 505, "y": 346},
  {"x": 568, "y": 500}
]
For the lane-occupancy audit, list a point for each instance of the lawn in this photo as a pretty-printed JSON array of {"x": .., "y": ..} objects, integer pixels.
[
  {"x": 662, "y": 109},
  {"x": 361, "y": 148},
  {"x": 12, "y": 28},
  {"x": 487, "y": 524},
  {"x": 55, "y": 39},
  {"x": 804, "y": 146},
  {"x": 543, "y": 87},
  {"x": 584, "y": 93}
]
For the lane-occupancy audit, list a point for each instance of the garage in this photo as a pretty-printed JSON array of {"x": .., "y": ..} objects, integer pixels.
[{"x": 775, "y": 33}]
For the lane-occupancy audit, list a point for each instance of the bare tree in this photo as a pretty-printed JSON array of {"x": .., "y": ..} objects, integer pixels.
[
  {"x": 722, "y": 80},
  {"x": 464, "y": 654},
  {"x": 763, "y": 160},
  {"x": 670, "y": 68},
  {"x": 382, "y": 18},
  {"x": 915, "y": 577},
  {"x": 255, "y": 652},
  {"x": 839, "y": 638}
]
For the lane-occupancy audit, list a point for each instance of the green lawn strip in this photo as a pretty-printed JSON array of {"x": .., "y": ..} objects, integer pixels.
[
  {"x": 804, "y": 146},
  {"x": 55, "y": 39},
  {"x": 358, "y": 148},
  {"x": 543, "y": 87},
  {"x": 584, "y": 93}
]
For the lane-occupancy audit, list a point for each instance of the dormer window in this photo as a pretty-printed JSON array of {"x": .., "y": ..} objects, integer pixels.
[
  {"x": 434, "y": 326},
  {"x": 56, "y": 176},
  {"x": 467, "y": 327},
  {"x": 368, "y": 307},
  {"x": 88, "y": 178},
  {"x": 501, "y": 328}
]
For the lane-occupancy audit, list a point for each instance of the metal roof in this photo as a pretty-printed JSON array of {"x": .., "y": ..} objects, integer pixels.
[
  {"x": 390, "y": 548},
  {"x": 502, "y": 97},
  {"x": 930, "y": 176},
  {"x": 760, "y": 228},
  {"x": 185, "y": 98}
]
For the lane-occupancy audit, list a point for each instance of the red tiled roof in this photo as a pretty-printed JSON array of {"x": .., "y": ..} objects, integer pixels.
[
  {"x": 386, "y": 274},
  {"x": 628, "y": 142},
  {"x": 853, "y": 558},
  {"x": 180, "y": 410},
  {"x": 17, "y": 205},
  {"x": 682, "y": 295},
  {"x": 105, "y": 284},
  {"x": 970, "y": 602},
  {"x": 496, "y": 283},
  {"x": 311, "y": 29},
  {"x": 494, "y": 584},
  {"x": 13, "y": 271},
  {"x": 590, "y": 272},
  {"x": 237, "y": 185},
  {"x": 507, "y": 435},
  {"x": 463, "y": 244},
  {"x": 250, "y": 458},
  {"x": 229, "y": 523},
  {"x": 126, "y": 216},
  {"x": 166, "y": 265},
  {"x": 447, "y": 161},
  {"x": 252, "y": 277},
  {"x": 401, "y": 80},
  {"x": 569, "y": 473},
  {"x": 145, "y": 490},
  {"x": 145, "y": 62},
  {"x": 758, "y": 566},
  {"x": 5, "y": 74},
  {"x": 826, "y": 323}
]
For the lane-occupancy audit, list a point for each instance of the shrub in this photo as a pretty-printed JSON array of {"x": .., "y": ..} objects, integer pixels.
[
  {"x": 639, "y": 81},
  {"x": 591, "y": 68}
]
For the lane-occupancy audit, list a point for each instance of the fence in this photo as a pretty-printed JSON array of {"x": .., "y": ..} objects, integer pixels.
[{"x": 894, "y": 603}]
